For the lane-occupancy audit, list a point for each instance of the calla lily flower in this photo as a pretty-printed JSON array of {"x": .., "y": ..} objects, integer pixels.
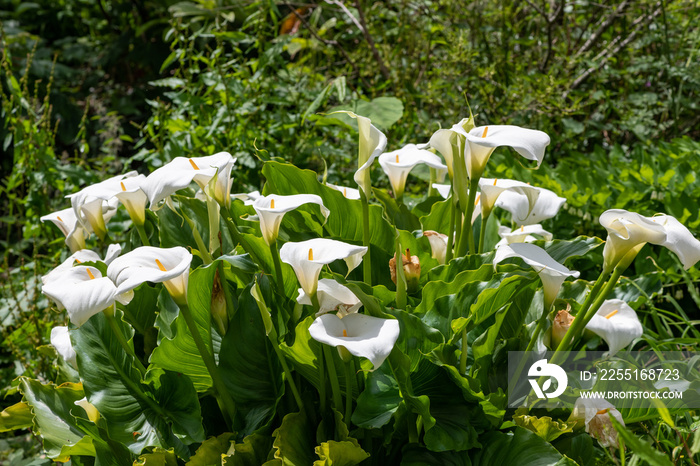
[
  {"x": 307, "y": 258},
  {"x": 523, "y": 212},
  {"x": 363, "y": 336},
  {"x": 88, "y": 201},
  {"x": 483, "y": 140},
  {"x": 60, "y": 339},
  {"x": 247, "y": 198},
  {"x": 92, "y": 413},
  {"x": 332, "y": 296},
  {"x": 133, "y": 198},
  {"x": 398, "y": 164},
  {"x": 67, "y": 222},
  {"x": 438, "y": 245},
  {"x": 181, "y": 171},
  {"x": 272, "y": 208},
  {"x": 95, "y": 213},
  {"x": 443, "y": 189},
  {"x": 349, "y": 193},
  {"x": 372, "y": 143},
  {"x": 522, "y": 234},
  {"x": 595, "y": 413},
  {"x": 169, "y": 266},
  {"x": 221, "y": 187},
  {"x": 82, "y": 291},
  {"x": 84, "y": 255},
  {"x": 616, "y": 323},
  {"x": 446, "y": 142},
  {"x": 629, "y": 231},
  {"x": 491, "y": 190},
  {"x": 551, "y": 272}
]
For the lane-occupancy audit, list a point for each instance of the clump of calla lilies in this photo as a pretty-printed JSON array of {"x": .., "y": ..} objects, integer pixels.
[{"x": 342, "y": 314}]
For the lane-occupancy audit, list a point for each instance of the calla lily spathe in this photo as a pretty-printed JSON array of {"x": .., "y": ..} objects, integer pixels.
[
  {"x": 363, "y": 336},
  {"x": 629, "y": 231},
  {"x": 443, "y": 189},
  {"x": 398, "y": 164},
  {"x": 595, "y": 413},
  {"x": 349, "y": 193},
  {"x": 307, "y": 258},
  {"x": 372, "y": 143},
  {"x": 84, "y": 255},
  {"x": 82, "y": 291},
  {"x": 272, "y": 208},
  {"x": 332, "y": 296},
  {"x": 551, "y": 272},
  {"x": 492, "y": 188},
  {"x": 247, "y": 198},
  {"x": 133, "y": 198},
  {"x": 60, "y": 339},
  {"x": 616, "y": 323},
  {"x": 483, "y": 140},
  {"x": 67, "y": 222},
  {"x": 438, "y": 245},
  {"x": 181, "y": 171},
  {"x": 446, "y": 141},
  {"x": 170, "y": 266},
  {"x": 523, "y": 212},
  {"x": 522, "y": 234}
]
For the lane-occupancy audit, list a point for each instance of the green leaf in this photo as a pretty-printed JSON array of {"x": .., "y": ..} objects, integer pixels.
[
  {"x": 164, "y": 409},
  {"x": 304, "y": 352},
  {"x": 249, "y": 366},
  {"x": 518, "y": 448},
  {"x": 294, "y": 440},
  {"x": 211, "y": 450},
  {"x": 415, "y": 455},
  {"x": 545, "y": 427},
  {"x": 383, "y": 111},
  {"x": 157, "y": 457},
  {"x": 580, "y": 449},
  {"x": 180, "y": 353},
  {"x": 17, "y": 416},
  {"x": 641, "y": 448},
  {"x": 561, "y": 250},
  {"x": 378, "y": 401},
  {"x": 398, "y": 214},
  {"x": 252, "y": 452},
  {"x": 345, "y": 453}
]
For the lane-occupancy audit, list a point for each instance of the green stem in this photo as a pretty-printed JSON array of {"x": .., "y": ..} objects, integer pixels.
[
  {"x": 142, "y": 234},
  {"x": 278, "y": 266},
  {"x": 467, "y": 231},
  {"x": 333, "y": 375},
  {"x": 366, "y": 260},
  {"x": 322, "y": 381},
  {"x": 463, "y": 357},
  {"x": 348, "y": 391},
  {"x": 451, "y": 233},
  {"x": 400, "y": 276},
  {"x": 287, "y": 373},
  {"x": 112, "y": 320},
  {"x": 219, "y": 387},
  {"x": 482, "y": 233}
]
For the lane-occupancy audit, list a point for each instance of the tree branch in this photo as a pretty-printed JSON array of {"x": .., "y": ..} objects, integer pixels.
[{"x": 601, "y": 29}]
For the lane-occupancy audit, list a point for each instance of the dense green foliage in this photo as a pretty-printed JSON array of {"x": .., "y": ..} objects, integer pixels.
[{"x": 90, "y": 88}]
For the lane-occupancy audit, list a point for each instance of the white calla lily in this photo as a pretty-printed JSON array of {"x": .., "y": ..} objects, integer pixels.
[
  {"x": 446, "y": 141},
  {"x": 84, "y": 255},
  {"x": 438, "y": 245},
  {"x": 443, "y": 189},
  {"x": 82, "y": 292},
  {"x": 523, "y": 212},
  {"x": 629, "y": 231},
  {"x": 483, "y": 140},
  {"x": 616, "y": 323},
  {"x": 60, "y": 339},
  {"x": 363, "y": 336},
  {"x": 90, "y": 409},
  {"x": 271, "y": 209},
  {"x": 307, "y": 258},
  {"x": 398, "y": 164},
  {"x": 332, "y": 296},
  {"x": 349, "y": 193},
  {"x": 133, "y": 198},
  {"x": 247, "y": 198},
  {"x": 221, "y": 187},
  {"x": 170, "y": 266},
  {"x": 67, "y": 222},
  {"x": 551, "y": 272},
  {"x": 492, "y": 188},
  {"x": 372, "y": 143},
  {"x": 180, "y": 172},
  {"x": 522, "y": 234},
  {"x": 595, "y": 413}
]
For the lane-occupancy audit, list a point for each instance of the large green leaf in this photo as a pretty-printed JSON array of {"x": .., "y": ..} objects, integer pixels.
[
  {"x": 415, "y": 455},
  {"x": 249, "y": 366},
  {"x": 180, "y": 352},
  {"x": 210, "y": 451},
  {"x": 344, "y": 453},
  {"x": 561, "y": 250},
  {"x": 304, "y": 352},
  {"x": 545, "y": 427},
  {"x": 518, "y": 448},
  {"x": 294, "y": 440},
  {"x": 17, "y": 416},
  {"x": 161, "y": 411},
  {"x": 397, "y": 214},
  {"x": 383, "y": 111},
  {"x": 378, "y": 401},
  {"x": 252, "y": 452}
]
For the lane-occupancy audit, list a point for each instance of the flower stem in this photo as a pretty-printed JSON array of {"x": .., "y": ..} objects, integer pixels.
[
  {"x": 463, "y": 357},
  {"x": 482, "y": 233},
  {"x": 467, "y": 231},
  {"x": 142, "y": 234},
  {"x": 322, "y": 382},
  {"x": 333, "y": 375},
  {"x": 366, "y": 260},
  {"x": 219, "y": 387},
  {"x": 400, "y": 276},
  {"x": 451, "y": 233},
  {"x": 348, "y": 391},
  {"x": 278, "y": 266},
  {"x": 112, "y": 320},
  {"x": 287, "y": 373}
]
